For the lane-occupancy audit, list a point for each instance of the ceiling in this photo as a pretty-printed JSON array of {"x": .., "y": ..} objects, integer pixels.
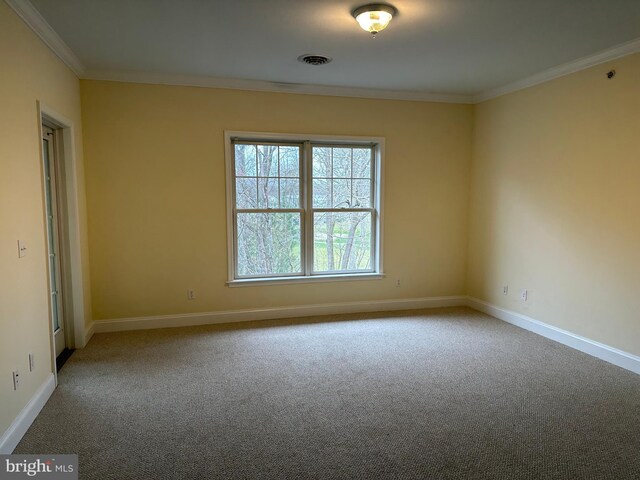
[{"x": 463, "y": 47}]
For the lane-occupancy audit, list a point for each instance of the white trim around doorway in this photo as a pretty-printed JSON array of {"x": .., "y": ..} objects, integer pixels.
[{"x": 76, "y": 316}]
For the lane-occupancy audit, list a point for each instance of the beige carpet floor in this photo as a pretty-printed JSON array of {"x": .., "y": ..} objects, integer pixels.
[{"x": 433, "y": 394}]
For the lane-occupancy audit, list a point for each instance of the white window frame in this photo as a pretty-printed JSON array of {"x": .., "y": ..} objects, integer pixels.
[{"x": 377, "y": 143}]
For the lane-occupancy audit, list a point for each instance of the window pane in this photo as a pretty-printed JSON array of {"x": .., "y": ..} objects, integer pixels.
[
  {"x": 322, "y": 193},
  {"x": 349, "y": 169},
  {"x": 361, "y": 194},
  {"x": 341, "y": 162},
  {"x": 246, "y": 193},
  {"x": 268, "y": 193},
  {"x": 341, "y": 193},
  {"x": 361, "y": 163},
  {"x": 321, "y": 162},
  {"x": 245, "y": 159},
  {"x": 342, "y": 241},
  {"x": 267, "y": 160},
  {"x": 289, "y": 193},
  {"x": 268, "y": 243},
  {"x": 289, "y": 161}
]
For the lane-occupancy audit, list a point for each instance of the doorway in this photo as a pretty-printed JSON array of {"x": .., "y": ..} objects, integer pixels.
[
  {"x": 72, "y": 304},
  {"x": 55, "y": 215}
]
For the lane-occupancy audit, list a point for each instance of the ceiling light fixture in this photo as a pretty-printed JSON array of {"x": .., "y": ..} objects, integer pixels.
[{"x": 375, "y": 17}]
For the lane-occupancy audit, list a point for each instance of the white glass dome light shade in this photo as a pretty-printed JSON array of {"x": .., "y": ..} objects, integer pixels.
[{"x": 374, "y": 18}]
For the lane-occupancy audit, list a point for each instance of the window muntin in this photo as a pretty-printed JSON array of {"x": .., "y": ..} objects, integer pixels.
[{"x": 303, "y": 209}]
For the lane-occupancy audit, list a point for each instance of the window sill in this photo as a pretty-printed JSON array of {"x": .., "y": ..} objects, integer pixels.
[{"x": 306, "y": 279}]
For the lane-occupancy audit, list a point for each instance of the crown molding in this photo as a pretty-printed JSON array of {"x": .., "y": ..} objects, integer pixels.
[
  {"x": 603, "y": 56},
  {"x": 613, "y": 53},
  {"x": 29, "y": 15},
  {"x": 278, "y": 87}
]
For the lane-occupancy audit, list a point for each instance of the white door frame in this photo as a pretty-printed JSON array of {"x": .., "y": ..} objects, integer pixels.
[
  {"x": 59, "y": 279},
  {"x": 75, "y": 314}
]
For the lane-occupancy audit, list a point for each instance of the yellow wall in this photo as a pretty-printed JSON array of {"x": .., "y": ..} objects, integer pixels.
[
  {"x": 29, "y": 71},
  {"x": 155, "y": 175},
  {"x": 555, "y": 203}
]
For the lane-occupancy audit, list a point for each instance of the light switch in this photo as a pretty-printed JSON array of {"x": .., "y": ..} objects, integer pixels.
[{"x": 22, "y": 249}]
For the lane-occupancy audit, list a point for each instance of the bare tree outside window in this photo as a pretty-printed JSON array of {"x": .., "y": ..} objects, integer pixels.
[
  {"x": 268, "y": 210},
  {"x": 342, "y": 204}
]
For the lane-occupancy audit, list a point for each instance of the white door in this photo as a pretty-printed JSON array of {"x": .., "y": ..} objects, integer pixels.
[{"x": 53, "y": 238}]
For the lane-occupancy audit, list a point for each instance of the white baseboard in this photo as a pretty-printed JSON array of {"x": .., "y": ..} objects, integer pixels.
[
  {"x": 88, "y": 333},
  {"x": 25, "y": 418},
  {"x": 232, "y": 316},
  {"x": 604, "y": 352}
]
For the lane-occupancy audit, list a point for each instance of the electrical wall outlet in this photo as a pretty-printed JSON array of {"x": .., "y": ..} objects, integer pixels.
[
  {"x": 505, "y": 289},
  {"x": 16, "y": 380},
  {"x": 524, "y": 295},
  {"x": 32, "y": 362},
  {"x": 191, "y": 294},
  {"x": 397, "y": 282}
]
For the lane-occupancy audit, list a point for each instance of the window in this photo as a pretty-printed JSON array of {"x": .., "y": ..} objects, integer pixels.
[{"x": 303, "y": 208}]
